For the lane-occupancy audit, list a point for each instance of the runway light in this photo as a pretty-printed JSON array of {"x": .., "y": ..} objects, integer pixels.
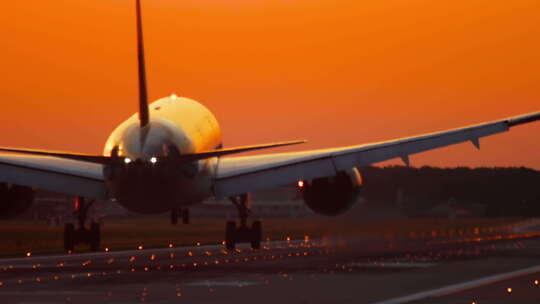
[
  {"x": 509, "y": 290},
  {"x": 178, "y": 294},
  {"x": 536, "y": 282},
  {"x": 300, "y": 184},
  {"x": 153, "y": 159},
  {"x": 140, "y": 247},
  {"x": 28, "y": 254},
  {"x": 86, "y": 263},
  {"x": 170, "y": 245},
  {"x": 198, "y": 243},
  {"x": 106, "y": 249},
  {"x": 127, "y": 160}
]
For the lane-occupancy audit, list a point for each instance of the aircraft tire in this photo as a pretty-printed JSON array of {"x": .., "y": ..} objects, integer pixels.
[
  {"x": 185, "y": 216},
  {"x": 69, "y": 237},
  {"x": 95, "y": 236},
  {"x": 230, "y": 235},
  {"x": 256, "y": 235},
  {"x": 174, "y": 216}
]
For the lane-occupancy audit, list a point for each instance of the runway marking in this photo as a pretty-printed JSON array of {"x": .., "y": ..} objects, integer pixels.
[
  {"x": 455, "y": 288},
  {"x": 223, "y": 283},
  {"x": 392, "y": 265},
  {"x": 47, "y": 293}
]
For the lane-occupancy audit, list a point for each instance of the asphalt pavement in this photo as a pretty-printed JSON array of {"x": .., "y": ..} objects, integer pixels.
[{"x": 430, "y": 270}]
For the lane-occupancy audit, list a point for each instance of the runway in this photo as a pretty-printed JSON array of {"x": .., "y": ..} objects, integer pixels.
[{"x": 428, "y": 270}]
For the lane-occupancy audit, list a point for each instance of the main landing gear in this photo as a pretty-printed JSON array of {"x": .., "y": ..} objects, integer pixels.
[
  {"x": 242, "y": 234},
  {"x": 179, "y": 212},
  {"x": 81, "y": 235}
]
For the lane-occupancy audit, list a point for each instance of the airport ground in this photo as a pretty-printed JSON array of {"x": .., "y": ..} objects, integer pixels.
[
  {"x": 478, "y": 267},
  {"x": 39, "y": 237}
]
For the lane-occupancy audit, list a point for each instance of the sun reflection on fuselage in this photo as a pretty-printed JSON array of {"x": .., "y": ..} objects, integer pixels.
[{"x": 148, "y": 177}]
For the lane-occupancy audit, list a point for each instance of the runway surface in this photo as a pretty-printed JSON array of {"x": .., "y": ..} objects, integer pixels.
[{"x": 457, "y": 269}]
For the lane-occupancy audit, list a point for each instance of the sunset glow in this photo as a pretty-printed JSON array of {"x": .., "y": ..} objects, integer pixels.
[{"x": 333, "y": 72}]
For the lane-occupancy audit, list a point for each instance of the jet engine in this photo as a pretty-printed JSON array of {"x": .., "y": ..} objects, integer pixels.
[
  {"x": 14, "y": 200},
  {"x": 332, "y": 196}
]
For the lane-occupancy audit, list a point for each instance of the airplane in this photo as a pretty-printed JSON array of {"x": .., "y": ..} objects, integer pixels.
[{"x": 169, "y": 156}]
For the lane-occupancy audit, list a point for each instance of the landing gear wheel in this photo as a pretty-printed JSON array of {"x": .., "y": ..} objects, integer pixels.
[
  {"x": 95, "y": 236},
  {"x": 174, "y": 216},
  {"x": 230, "y": 235},
  {"x": 185, "y": 216},
  {"x": 69, "y": 237},
  {"x": 243, "y": 234},
  {"x": 256, "y": 235},
  {"x": 82, "y": 235}
]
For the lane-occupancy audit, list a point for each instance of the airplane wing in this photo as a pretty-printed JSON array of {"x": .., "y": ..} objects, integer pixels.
[
  {"x": 55, "y": 174},
  {"x": 237, "y": 175}
]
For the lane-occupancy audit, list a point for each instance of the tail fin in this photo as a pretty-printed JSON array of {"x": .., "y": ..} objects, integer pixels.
[{"x": 144, "y": 116}]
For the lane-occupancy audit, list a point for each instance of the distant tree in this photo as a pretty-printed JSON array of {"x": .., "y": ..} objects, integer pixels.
[{"x": 503, "y": 191}]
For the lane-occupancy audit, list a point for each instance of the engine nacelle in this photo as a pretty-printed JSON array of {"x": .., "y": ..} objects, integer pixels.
[
  {"x": 14, "y": 200},
  {"x": 332, "y": 196}
]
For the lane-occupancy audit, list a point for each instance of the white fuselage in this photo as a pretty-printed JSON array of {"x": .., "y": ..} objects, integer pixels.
[{"x": 146, "y": 178}]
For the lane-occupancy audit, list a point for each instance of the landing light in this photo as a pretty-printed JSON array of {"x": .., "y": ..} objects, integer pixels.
[
  {"x": 301, "y": 184},
  {"x": 153, "y": 159},
  {"x": 127, "y": 160}
]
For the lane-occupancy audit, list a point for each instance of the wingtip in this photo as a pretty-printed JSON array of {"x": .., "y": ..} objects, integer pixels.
[{"x": 523, "y": 119}]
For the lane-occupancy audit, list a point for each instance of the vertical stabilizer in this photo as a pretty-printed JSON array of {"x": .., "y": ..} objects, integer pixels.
[{"x": 143, "y": 91}]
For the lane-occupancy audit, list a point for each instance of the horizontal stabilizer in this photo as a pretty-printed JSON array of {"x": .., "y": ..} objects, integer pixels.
[
  {"x": 183, "y": 158},
  {"x": 235, "y": 150},
  {"x": 67, "y": 155}
]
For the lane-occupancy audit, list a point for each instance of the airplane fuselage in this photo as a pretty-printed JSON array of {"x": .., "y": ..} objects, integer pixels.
[{"x": 147, "y": 176}]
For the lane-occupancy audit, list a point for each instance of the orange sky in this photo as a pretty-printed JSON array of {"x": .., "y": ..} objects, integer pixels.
[{"x": 332, "y": 72}]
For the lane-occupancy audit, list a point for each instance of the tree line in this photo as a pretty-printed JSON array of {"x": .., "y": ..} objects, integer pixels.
[{"x": 502, "y": 191}]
